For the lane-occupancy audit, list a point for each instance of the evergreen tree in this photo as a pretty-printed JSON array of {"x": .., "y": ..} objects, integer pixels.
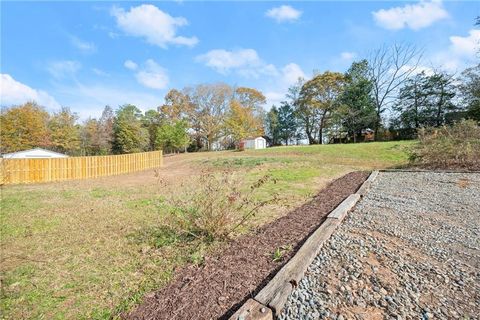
[
  {"x": 272, "y": 128},
  {"x": 287, "y": 123},
  {"x": 357, "y": 108},
  {"x": 470, "y": 91}
]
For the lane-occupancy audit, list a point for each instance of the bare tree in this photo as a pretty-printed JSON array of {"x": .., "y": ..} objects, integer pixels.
[{"x": 389, "y": 67}]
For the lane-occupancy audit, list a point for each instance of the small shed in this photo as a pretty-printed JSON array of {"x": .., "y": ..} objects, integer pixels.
[
  {"x": 34, "y": 153},
  {"x": 368, "y": 134},
  {"x": 254, "y": 143}
]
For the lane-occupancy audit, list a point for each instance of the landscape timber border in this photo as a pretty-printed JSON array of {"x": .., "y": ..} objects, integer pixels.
[
  {"x": 269, "y": 302},
  {"x": 430, "y": 170}
]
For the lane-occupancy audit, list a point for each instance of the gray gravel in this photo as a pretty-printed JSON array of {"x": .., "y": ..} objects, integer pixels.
[{"x": 409, "y": 250}]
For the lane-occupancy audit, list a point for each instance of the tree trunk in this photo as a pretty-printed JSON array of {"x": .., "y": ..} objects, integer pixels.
[
  {"x": 377, "y": 125},
  {"x": 439, "y": 108}
]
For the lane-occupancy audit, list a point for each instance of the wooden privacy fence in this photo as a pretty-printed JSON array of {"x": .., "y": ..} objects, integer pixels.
[{"x": 13, "y": 171}]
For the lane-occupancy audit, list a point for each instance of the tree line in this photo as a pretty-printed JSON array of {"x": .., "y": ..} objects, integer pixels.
[
  {"x": 205, "y": 117},
  {"x": 388, "y": 95}
]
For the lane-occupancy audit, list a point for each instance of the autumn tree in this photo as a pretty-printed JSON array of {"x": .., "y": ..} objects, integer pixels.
[
  {"x": 64, "y": 133},
  {"x": 241, "y": 122},
  {"x": 211, "y": 103},
  {"x": 90, "y": 137},
  {"x": 177, "y": 106},
  {"x": 24, "y": 127},
  {"x": 318, "y": 99},
  {"x": 105, "y": 124},
  {"x": 246, "y": 114},
  {"x": 250, "y": 98},
  {"x": 129, "y": 135}
]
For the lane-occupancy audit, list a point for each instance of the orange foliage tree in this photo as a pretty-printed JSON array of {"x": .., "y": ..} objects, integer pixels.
[{"x": 24, "y": 127}]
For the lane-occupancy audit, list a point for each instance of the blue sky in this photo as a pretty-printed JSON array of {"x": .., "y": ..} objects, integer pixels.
[{"x": 86, "y": 55}]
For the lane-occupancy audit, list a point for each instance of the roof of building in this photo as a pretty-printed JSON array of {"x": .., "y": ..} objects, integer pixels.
[
  {"x": 253, "y": 138},
  {"x": 6, "y": 155}
]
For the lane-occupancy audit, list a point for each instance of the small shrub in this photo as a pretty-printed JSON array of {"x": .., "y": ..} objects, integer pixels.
[
  {"x": 280, "y": 252},
  {"x": 448, "y": 147},
  {"x": 215, "y": 206}
]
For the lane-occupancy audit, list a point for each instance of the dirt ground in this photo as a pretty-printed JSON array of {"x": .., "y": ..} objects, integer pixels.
[{"x": 219, "y": 286}]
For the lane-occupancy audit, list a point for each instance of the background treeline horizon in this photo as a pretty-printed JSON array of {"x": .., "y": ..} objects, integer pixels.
[{"x": 390, "y": 93}]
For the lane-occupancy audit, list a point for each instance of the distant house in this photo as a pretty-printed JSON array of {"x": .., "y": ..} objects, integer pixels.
[
  {"x": 253, "y": 143},
  {"x": 368, "y": 134},
  {"x": 34, "y": 153}
]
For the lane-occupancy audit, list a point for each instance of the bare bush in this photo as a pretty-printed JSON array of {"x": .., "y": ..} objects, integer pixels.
[
  {"x": 449, "y": 147},
  {"x": 215, "y": 206}
]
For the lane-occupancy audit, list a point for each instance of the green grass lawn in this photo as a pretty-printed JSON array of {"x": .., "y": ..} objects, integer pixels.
[{"x": 91, "y": 249}]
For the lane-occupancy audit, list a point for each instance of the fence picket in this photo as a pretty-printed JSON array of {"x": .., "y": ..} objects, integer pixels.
[{"x": 14, "y": 171}]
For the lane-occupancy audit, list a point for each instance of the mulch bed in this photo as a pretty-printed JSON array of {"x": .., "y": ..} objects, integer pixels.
[{"x": 226, "y": 280}]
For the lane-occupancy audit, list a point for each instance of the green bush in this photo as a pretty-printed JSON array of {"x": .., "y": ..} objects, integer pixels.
[{"x": 448, "y": 147}]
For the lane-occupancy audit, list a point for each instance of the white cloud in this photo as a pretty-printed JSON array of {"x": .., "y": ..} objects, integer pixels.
[
  {"x": 245, "y": 62},
  {"x": 284, "y": 13},
  {"x": 152, "y": 75},
  {"x": 64, "y": 68},
  {"x": 129, "y": 64},
  {"x": 223, "y": 60},
  {"x": 348, "y": 56},
  {"x": 151, "y": 23},
  {"x": 274, "y": 97},
  {"x": 462, "y": 52},
  {"x": 289, "y": 75},
  {"x": 429, "y": 71},
  {"x": 100, "y": 72},
  {"x": 413, "y": 16},
  {"x": 13, "y": 92},
  {"x": 113, "y": 35},
  {"x": 466, "y": 46},
  {"x": 89, "y": 99},
  {"x": 83, "y": 46}
]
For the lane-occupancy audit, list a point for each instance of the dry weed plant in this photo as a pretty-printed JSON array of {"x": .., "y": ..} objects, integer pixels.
[
  {"x": 213, "y": 206},
  {"x": 449, "y": 147}
]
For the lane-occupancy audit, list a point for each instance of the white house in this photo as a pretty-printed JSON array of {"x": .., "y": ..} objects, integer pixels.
[
  {"x": 254, "y": 143},
  {"x": 33, "y": 153}
]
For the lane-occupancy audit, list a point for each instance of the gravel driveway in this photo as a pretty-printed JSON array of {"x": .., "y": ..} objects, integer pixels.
[{"x": 409, "y": 250}]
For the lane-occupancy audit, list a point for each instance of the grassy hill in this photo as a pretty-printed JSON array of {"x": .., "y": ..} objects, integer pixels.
[{"x": 91, "y": 249}]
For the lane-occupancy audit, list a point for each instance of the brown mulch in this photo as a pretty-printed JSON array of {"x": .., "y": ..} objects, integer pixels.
[{"x": 226, "y": 280}]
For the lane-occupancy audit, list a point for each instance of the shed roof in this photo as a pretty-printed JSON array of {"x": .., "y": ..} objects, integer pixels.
[
  {"x": 253, "y": 138},
  {"x": 7, "y": 155}
]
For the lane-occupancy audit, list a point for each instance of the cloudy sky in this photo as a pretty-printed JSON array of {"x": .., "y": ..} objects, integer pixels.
[{"x": 90, "y": 54}]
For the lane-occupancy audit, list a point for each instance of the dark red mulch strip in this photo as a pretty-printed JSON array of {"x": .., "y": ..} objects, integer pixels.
[{"x": 225, "y": 281}]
